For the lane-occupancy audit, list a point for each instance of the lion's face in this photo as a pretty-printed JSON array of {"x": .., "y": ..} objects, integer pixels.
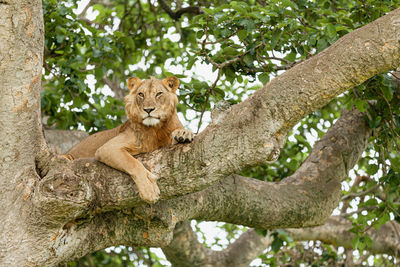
[{"x": 151, "y": 102}]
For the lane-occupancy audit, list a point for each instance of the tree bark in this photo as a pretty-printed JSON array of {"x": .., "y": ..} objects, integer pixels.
[
  {"x": 335, "y": 231},
  {"x": 62, "y": 140},
  {"x": 62, "y": 210},
  {"x": 185, "y": 250},
  {"x": 90, "y": 210},
  {"x": 21, "y": 54}
]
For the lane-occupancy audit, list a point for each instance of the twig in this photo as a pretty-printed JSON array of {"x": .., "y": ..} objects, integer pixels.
[
  {"x": 262, "y": 2},
  {"x": 91, "y": 23},
  {"x": 126, "y": 13},
  {"x": 220, "y": 40},
  {"x": 359, "y": 211},
  {"x": 356, "y": 183},
  {"x": 374, "y": 222},
  {"x": 353, "y": 195},
  {"x": 156, "y": 23},
  {"x": 178, "y": 14},
  {"x": 209, "y": 91},
  {"x": 149, "y": 259},
  {"x": 395, "y": 74},
  {"x": 114, "y": 87},
  {"x": 362, "y": 258},
  {"x": 394, "y": 210},
  {"x": 83, "y": 13}
]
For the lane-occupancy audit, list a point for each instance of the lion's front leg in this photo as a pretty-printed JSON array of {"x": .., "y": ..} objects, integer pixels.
[
  {"x": 115, "y": 154},
  {"x": 146, "y": 183},
  {"x": 182, "y": 136}
]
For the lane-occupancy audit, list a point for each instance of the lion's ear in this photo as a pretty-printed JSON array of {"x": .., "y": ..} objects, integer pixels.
[
  {"x": 172, "y": 83},
  {"x": 133, "y": 83}
]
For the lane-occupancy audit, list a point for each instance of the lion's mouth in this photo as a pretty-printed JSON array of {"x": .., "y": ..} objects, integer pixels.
[{"x": 151, "y": 121}]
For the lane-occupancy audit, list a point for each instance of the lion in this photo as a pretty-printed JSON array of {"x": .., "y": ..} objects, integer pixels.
[{"x": 153, "y": 123}]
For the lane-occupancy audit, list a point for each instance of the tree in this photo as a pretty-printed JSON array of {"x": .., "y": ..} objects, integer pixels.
[{"x": 336, "y": 55}]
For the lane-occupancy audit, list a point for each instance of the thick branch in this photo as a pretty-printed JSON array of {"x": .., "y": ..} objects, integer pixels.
[
  {"x": 63, "y": 140},
  {"x": 185, "y": 250},
  {"x": 79, "y": 237},
  {"x": 304, "y": 199},
  {"x": 336, "y": 232}
]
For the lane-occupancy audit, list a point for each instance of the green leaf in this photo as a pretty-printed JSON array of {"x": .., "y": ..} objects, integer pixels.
[
  {"x": 372, "y": 169},
  {"x": 225, "y": 32},
  {"x": 361, "y": 105},
  {"x": 264, "y": 78},
  {"x": 276, "y": 244},
  {"x": 248, "y": 59},
  {"x": 60, "y": 38},
  {"x": 288, "y": 3},
  {"x": 375, "y": 122},
  {"x": 238, "y": 8},
  {"x": 355, "y": 241},
  {"x": 321, "y": 44},
  {"x": 382, "y": 220},
  {"x": 191, "y": 62},
  {"x": 261, "y": 232},
  {"x": 219, "y": 93},
  {"x": 275, "y": 38},
  {"x": 230, "y": 51},
  {"x": 97, "y": 53},
  {"x": 242, "y": 34},
  {"x": 291, "y": 57},
  {"x": 361, "y": 244},
  {"x": 250, "y": 25},
  {"x": 330, "y": 31},
  {"x": 387, "y": 92}
]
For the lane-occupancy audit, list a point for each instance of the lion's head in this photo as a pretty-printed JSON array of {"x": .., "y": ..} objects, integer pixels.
[{"x": 151, "y": 102}]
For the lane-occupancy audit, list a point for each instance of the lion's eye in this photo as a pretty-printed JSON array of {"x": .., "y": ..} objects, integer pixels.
[
  {"x": 158, "y": 94},
  {"x": 141, "y": 95}
]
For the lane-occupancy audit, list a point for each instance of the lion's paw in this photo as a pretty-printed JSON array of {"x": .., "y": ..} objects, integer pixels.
[
  {"x": 148, "y": 189},
  {"x": 182, "y": 136}
]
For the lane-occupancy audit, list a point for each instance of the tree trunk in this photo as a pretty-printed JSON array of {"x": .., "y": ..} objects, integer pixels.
[{"x": 21, "y": 46}]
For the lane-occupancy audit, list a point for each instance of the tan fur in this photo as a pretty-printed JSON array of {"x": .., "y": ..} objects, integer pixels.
[{"x": 153, "y": 123}]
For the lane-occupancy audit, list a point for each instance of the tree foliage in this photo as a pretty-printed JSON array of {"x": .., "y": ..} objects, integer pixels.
[{"x": 90, "y": 54}]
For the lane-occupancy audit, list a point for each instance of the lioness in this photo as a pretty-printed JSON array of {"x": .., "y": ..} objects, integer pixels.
[{"x": 153, "y": 123}]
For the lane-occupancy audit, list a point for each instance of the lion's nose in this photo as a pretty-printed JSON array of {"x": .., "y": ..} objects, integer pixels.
[{"x": 148, "y": 110}]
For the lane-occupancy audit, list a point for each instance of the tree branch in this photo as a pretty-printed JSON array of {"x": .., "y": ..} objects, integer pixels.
[
  {"x": 306, "y": 198},
  {"x": 185, "y": 250},
  {"x": 118, "y": 91},
  {"x": 178, "y": 14},
  {"x": 93, "y": 192},
  {"x": 336, "y": 232},
  {"x": 63, "y": 140}
]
